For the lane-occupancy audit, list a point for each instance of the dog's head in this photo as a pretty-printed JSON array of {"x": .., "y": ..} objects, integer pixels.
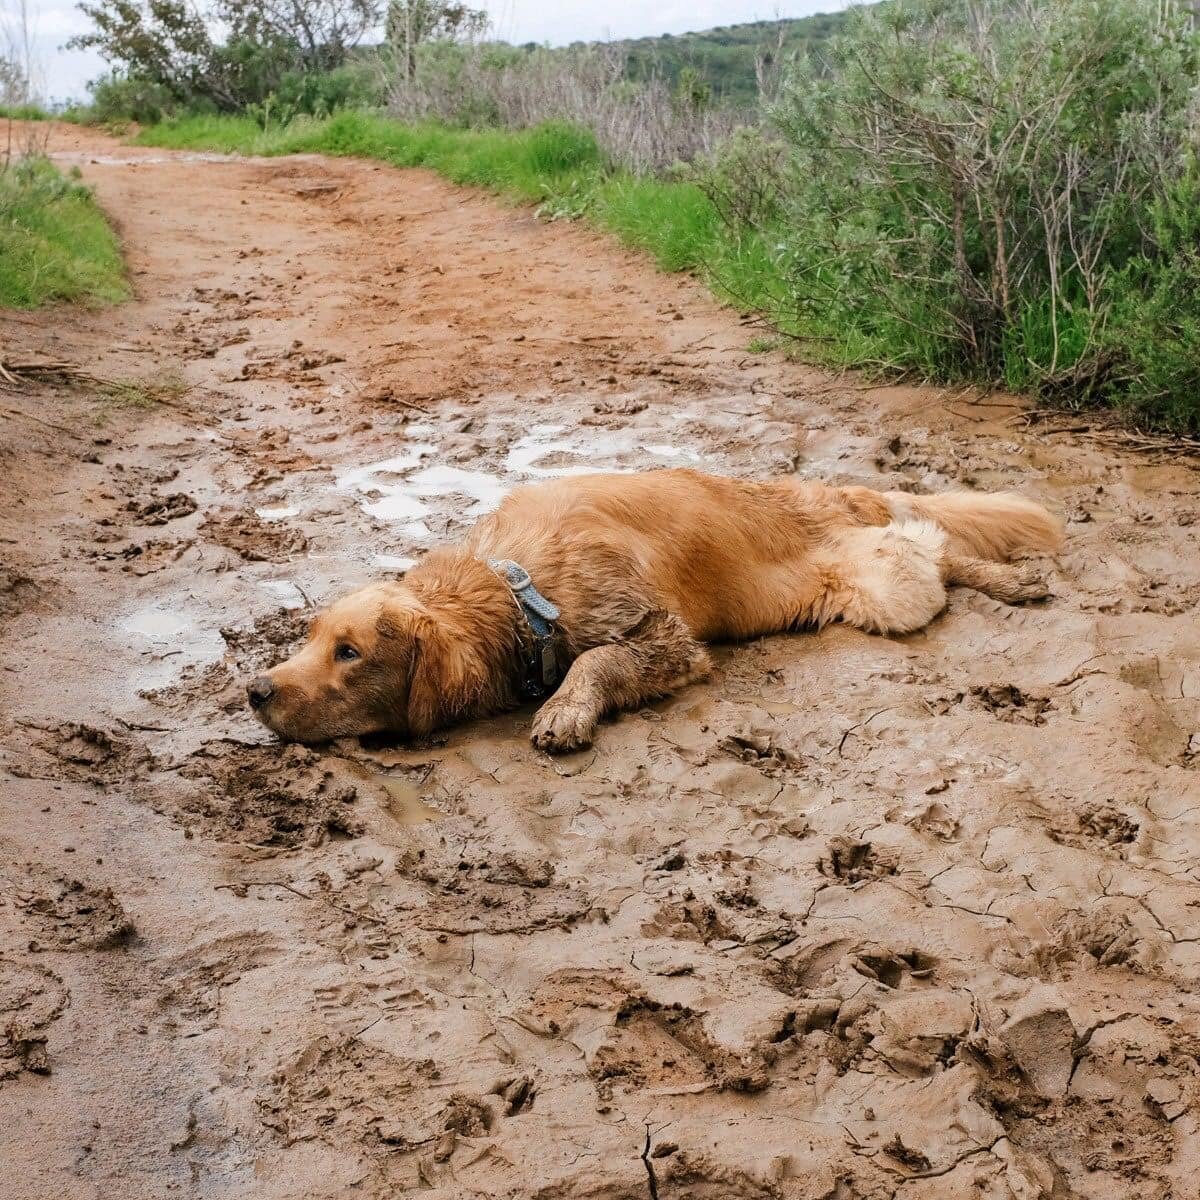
[{"x": 360, "y": 671}]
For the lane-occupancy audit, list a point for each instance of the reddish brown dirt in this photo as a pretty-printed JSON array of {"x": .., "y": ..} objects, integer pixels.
[{"x": 863, "y": 917}]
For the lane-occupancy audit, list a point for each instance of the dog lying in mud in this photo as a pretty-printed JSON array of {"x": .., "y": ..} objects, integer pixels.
[{"x": 599, "y": 591}]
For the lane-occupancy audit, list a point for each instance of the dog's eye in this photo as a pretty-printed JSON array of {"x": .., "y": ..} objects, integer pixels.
[{"x": 345, "y": 653}]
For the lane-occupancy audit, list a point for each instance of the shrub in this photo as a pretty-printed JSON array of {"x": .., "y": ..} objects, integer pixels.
[
  {"x": 231, "y": 54},
  {"x": 119, "y": 98},
  {"x": 969, "y": 189},
  {"x": 645, "y": 126}
]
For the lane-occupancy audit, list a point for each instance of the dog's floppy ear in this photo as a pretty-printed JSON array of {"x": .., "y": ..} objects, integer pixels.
[
  {"x": 445, "y": 677},
  {"x": 397, "y": 655},
  {"x": 422, "y": 673}
]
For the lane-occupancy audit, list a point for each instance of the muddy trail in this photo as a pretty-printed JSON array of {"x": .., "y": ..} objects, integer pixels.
[{"x": 860, "y": 918}]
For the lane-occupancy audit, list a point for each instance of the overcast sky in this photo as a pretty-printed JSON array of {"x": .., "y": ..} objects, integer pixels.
[{"x": 65, "y": 73}]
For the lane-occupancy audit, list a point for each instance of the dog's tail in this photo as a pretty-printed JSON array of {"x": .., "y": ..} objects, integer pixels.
[{"x": 992, "y": 526}]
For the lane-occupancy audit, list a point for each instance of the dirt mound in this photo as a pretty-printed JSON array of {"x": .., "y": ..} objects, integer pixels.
[
  {"x": 69, "y": 915},
  {"x": 18, "y": 591},
  {"x": 508, "y": 893},
  {"x": 252, "y": 538},
  {"x": 158, "y": 510},
  {"x": 32, "y": 998},
  {"x": 83, "y": 753},
  {"x": 264, "y": 797}
]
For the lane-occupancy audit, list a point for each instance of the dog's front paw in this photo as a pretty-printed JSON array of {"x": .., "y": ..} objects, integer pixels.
[{"x": 560, "y": 726}]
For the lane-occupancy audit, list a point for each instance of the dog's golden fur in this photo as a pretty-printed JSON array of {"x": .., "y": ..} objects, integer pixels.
[{"x": 645, "y": 569}]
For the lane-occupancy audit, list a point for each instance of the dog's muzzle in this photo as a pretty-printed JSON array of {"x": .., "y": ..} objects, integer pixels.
[{"x": 259, "y": 690}]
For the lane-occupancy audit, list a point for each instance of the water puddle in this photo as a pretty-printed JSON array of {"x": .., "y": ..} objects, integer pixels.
[
  {"x": 171, "y": 639},
  {"x": 80, "y": 158},
  {"x": 401, "y": 488},
  {"x": 394, "y": 562},
  {"x": 599, "y": 450},
  {"x": 155, "y": 624},
  {"x": 280, "y": 513},
  {"x": 404, "y": 803},
  {"x": 385, "y": 492},
  {"x": 286, "y": 592}
]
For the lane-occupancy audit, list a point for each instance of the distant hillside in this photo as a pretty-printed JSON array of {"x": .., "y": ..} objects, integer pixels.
[{"x": 725, "y": 57}]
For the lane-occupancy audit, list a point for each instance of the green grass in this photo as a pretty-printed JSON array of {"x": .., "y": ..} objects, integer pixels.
[
  {"x": 24, "y": 112},
  {"x": 527, "y": 165},
  {"x": 54, "y": 241}
]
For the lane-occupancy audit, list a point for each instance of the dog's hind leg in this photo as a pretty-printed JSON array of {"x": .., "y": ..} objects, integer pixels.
[
  {"x": 1012, "y": 583},
  {"x": 652, "y": 659},
  {"x": 884, "y": 579}
]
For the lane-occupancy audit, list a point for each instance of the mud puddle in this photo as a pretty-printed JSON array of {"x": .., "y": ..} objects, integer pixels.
[{"x": 860, "y": 917}]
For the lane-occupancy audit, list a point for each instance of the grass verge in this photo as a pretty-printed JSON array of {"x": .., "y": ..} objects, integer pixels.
[{"x": 54, "y": 241}]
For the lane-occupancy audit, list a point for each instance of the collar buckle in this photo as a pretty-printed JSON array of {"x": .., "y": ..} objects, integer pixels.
[{"x": 541, "y": 663}]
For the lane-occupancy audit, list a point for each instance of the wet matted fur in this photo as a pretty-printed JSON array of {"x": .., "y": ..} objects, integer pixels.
[{"x": 645, "y": 568}]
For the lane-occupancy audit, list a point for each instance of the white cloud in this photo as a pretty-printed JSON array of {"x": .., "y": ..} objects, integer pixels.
[{"x": 65, "y": 73}]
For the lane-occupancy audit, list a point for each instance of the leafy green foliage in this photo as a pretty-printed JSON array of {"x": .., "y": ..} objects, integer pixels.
[
  {"x": 971, "y": 192},
  {"x": 54, "y": 241},
  {"x": 411, "y": 23},
  {"x": 726, "y": 60},
  {"x": 167, "y": 51}
]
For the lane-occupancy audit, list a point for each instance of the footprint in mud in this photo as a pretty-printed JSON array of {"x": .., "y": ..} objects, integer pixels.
[
  {"x": 343, "y": 1091},
  {"x": 266, "y": 797},
  {"x": 254, "y": 539},
  {"x": 144, "y": 558},
  {"x": 919, "y": 1033},
  {"x": 1108, "y": 937},
  {"x": 761, "y": 748},
  {"x": 931, "y": 817},
  {"x": 158, "y": 510},
  {"x": 644, "y": 1044},
  {"x": 715, "y": 903},
  {"x": 691, "y": 919},
  {"x": 1102, "y": 823},
  {"x": 851, "y": 861},
  {"x": 70, "y": 915},
  {"x": 508, "y": 893},
  {"x": 82, "y": 754},
  {"x": 826, "y": 964},
  {"x": 1109, "y": 824},
  {"x": 18, "y": 592},
  {"x": 1007, "y": 702},
  {"x": 696, "y": 1175},
  {"x": 190, "y": 997},
  {"x": 31, "y": 1000}
]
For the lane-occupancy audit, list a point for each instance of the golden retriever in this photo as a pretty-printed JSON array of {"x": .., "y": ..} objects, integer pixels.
[{"x": 644, "y": 569}]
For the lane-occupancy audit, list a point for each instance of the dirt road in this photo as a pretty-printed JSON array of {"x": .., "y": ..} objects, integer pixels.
[{"x": 863, "y": 917}]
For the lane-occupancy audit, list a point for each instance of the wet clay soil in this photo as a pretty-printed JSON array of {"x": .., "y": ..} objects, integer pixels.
[{"x": 860, "y": 918}]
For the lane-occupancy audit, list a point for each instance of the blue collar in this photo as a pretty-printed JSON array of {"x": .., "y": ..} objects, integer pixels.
[{"x": 541, "y": 663}]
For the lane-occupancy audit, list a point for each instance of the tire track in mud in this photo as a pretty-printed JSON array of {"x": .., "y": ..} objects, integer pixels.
[{"x": 863, "y": 917}]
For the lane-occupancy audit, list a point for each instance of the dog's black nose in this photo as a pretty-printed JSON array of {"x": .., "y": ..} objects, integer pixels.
[{"x": 260, "y": 689}]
